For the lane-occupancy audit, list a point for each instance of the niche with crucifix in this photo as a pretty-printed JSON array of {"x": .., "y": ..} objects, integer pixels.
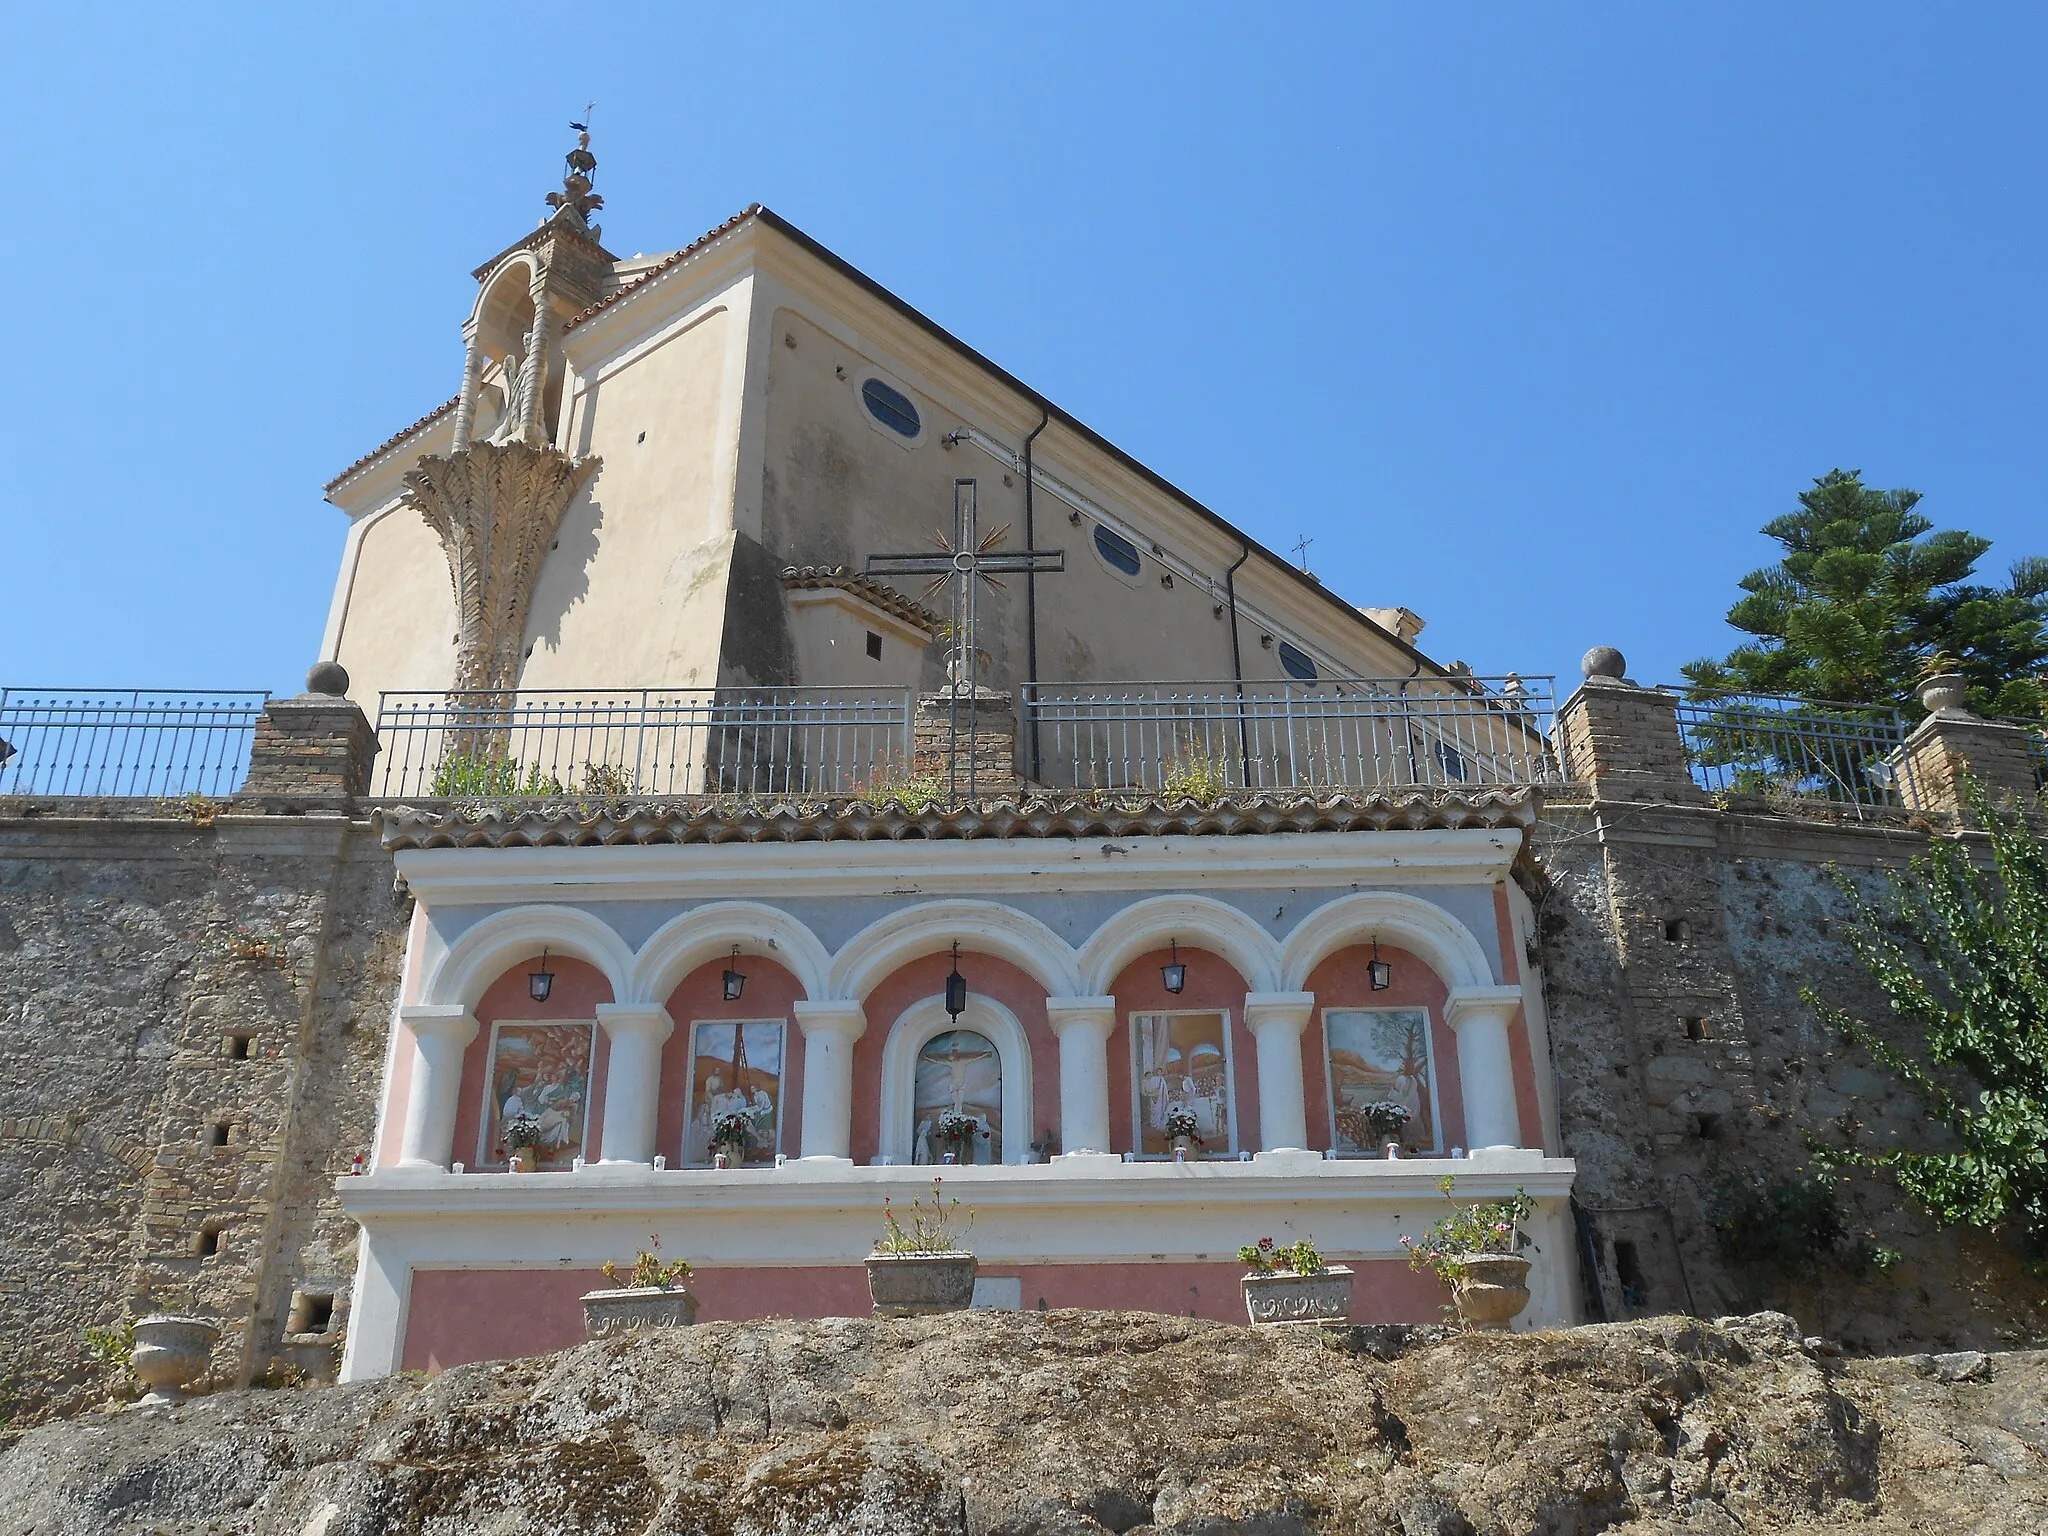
[{"x": 957, "y": 1105}]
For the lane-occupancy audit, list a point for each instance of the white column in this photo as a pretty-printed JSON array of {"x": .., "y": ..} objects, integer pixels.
[
  {"x": 1276, "y": 1020},
  {"x": 440, "y": 1034},
  {"x": 1084, "y": 1025},
  {"x": 830, "y": 1030},
  {"x": 465, "y": 403},
  {"x": 632, "y": 1082},
  {"x": 1486, "y": 1067},
  {"x": 536, "y": 367}
]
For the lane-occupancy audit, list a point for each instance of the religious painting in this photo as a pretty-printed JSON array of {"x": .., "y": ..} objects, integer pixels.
[
  {"x": 1380, "y": 1056},
  {"x": 735, "y": 1086},
  {"x": 538, "y": 1084},
  {"x": 957, "y": 1102},
  {"x": 1181, "y": 1061}
]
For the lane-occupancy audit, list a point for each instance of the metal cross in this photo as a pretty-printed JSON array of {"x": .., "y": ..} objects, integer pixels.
[
  {"x": 1301, "y": 551},
  {"x": 964, "y": 563}
]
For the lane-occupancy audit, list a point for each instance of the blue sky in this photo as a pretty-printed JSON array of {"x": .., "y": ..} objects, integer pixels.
[{"x": 1529, "y": 317}]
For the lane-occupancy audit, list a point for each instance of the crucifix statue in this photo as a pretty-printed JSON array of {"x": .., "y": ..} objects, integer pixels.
[{"x": 964, "y": 562}]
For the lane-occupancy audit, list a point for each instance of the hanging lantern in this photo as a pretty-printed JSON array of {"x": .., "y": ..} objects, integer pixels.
[
  {"x": 956, "y": 987},
  {"x": 1377, "y": 970},
  {"x": 541, "y": 982},
  {"x": 1173, "y": 973},
  {"x": 735, "y": 980}
]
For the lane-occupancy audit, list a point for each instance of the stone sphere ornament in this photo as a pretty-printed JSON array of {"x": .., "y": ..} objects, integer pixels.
[
  {"x": 328, "y": 677},
  {"x": 1603, "y": 661},
  {"x": 170, "y": 1354}
]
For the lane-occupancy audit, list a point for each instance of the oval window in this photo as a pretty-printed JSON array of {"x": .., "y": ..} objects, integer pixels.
[
  {"x": 891, "y": 407},
  {"x": 1298, "y": 663},
  {"x": 1116, "y": 549}
]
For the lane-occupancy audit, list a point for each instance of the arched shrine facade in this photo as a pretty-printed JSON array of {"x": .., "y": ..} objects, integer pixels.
[{"x": 844, "y": 1021}]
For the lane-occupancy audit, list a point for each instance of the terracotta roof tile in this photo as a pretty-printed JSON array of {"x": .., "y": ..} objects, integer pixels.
[
  {"x": 886, "y": 598},
  {"x": 662, "y": 266},
  {"x": 1110, "y": 813},
  {"x": 393, "y": 441}
]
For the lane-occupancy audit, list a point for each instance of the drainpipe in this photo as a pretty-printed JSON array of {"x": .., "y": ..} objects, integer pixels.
[
  {"x": 1031, "y": 592},
  {"x": 1244, "y": 751}
]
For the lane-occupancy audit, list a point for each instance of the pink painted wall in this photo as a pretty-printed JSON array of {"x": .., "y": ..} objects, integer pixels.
[
  {"x": 458, "y": 1316},
  {"x": 1213, "y": 982},
  {"x": 770, "y": 993},
  {"x": 579, "y": 988},
  {"x": 1341, "y": 981},
  {"x": 987, "y": 975}
]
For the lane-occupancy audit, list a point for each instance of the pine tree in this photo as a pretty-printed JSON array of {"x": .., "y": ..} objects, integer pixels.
[{"x": 1868, "y": 594}]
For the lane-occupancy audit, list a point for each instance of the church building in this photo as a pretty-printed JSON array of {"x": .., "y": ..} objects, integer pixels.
[{"x": 819, "y": 764}]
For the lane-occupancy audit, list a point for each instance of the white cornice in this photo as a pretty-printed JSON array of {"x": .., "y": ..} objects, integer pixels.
[{"x": 991, "y": 867}]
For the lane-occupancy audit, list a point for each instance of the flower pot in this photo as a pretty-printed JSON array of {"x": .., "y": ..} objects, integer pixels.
[
  {"x": 170, "y": 1354},
  {"x": 1943, "y": 691},
  {"x": 1183, "y": 1148},
  {"x": 1323, "y": 1297},
  {"x": 913, "y": 1284},
  {"x": 1491, "y": 1288},
  {"x": 609, "y": 1313},
  {"x": 524, "y": 1160}
]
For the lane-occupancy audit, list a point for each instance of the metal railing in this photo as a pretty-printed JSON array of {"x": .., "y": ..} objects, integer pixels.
[
  {"x": 1790, "y": 750},
  {"x": 615, "y": 742},
  {"x": 2035, "y": 739},
  {"x": 126, "y": 741},
  {"x": 1337, "y": 733}
]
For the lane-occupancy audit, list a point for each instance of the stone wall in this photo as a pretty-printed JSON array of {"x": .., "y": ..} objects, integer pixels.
[
  {"x": 1675, "y": 940},
  {"x": 191, "y": 1031}
]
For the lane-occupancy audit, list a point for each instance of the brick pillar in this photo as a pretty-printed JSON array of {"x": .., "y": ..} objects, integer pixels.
[
  {"x": 312, "y": 752},
  {"x": 1952, "y": 741},
  {"x": 1623, "y": 739},
  {"x": 988, "y": 727}
]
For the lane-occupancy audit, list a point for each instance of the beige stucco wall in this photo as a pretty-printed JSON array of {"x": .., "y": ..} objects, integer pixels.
[
  {"x": 633, "y": 593},
  {"x": 398, "y": 625}
]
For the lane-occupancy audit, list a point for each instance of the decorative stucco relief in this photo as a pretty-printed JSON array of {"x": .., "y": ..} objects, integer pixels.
[{"x": 495, "y": 507}]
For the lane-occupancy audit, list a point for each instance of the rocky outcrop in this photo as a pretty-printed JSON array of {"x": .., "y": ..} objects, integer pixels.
[{"x": 1075, "y": 1424}]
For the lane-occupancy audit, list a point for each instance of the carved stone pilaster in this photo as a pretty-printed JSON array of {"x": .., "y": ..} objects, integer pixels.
[{"x": 496, "y": 508}]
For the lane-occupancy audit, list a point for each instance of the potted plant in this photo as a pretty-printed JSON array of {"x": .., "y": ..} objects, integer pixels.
[
  {"x": 1183, "y": 1130},
  {"x": 1477, "y": 1252},
  {"x": 1385, "y": 1121},
  {"x": 170, "y": 1354},
  {"x": 921, "y": 1267},
  {"x": 730, "y": 1133},
  {"x": 522, "y": 1143},
  {"x": 954, "y": 1134},
  {"x": 650, "y": 1295},
  {"x": 1293, "y": 1285}
]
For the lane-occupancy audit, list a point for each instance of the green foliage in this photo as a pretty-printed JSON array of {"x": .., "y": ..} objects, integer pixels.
[
  {"x": 649, "y": 1273},
  {"x": 111, "y": 1348},
  {"x": 1484, "y": 1226},
  {"x": 910, "y": 787},
  {"x": 1787, "y": 1226},
  {"x": 1262, "y": 1258},
  {"x": 931, "y": 1228},
  {"x": 608, "y": 781},
  {"x": 1867, "y": 590},
  {"x": 1193, "y": 776},
  {"x": 491, "y": 776},
  {"x": 1961, "y": 954}
]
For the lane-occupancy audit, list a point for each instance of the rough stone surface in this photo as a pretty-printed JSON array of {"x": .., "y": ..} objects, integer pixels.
[
  {"x": 137, "y": 950},
  {"x": 1674, "y": 942},
  {"x": 1077, "y": 1424}
]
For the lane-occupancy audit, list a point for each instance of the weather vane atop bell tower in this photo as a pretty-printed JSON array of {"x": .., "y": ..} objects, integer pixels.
[{"x": 576, "y": 202}]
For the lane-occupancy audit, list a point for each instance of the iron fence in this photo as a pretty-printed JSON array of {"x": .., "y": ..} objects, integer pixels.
[
  {"x": 1798, "y": 750},
  {"x": 125, "y": 741},
  {"x": 616, "y": 742},
  {"x": 1335, "y": 733},
  {"x": 2035, "y": 738}
]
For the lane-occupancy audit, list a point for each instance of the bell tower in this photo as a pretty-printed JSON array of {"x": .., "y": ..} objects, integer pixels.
[{"x": 497, "y": 497}]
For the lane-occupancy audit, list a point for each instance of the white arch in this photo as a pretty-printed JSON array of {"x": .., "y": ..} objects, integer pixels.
[
  {"x": 486, "y": 291},
  {"x": 907, "y": 1036},
  {"x": 481, "y": 955},
  {"x": 1200, "y": 922},
  {"x": 709, "y": 932},
  {"x": 1421, "y": 927},
  {"x": 930, "y": 927}
]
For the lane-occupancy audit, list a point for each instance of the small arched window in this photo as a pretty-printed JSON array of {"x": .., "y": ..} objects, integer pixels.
[
  {"x": 1117, "y": 550},
  {"x": 892, "y": 408},
  {"x": 1298, "y": 663}
]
